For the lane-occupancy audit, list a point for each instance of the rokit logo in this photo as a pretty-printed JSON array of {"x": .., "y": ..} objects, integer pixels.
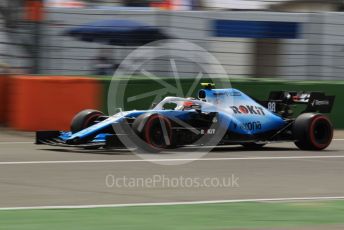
[{"x": 248, "y": 109}]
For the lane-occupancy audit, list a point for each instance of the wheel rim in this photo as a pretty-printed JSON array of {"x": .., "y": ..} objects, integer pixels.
[
  {"x": 155, "y": 134},
  {"x": 321, "y": 132}
]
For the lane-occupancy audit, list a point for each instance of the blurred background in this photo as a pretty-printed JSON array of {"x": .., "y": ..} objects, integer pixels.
[
  {"x": 289, "y": 39},
  {"x": 263, "y": 45},
  {"x": 57, "y": 57}
]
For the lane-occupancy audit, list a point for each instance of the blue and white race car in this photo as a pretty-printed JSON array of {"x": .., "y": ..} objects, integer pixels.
[{"x": 216, "y": 117}]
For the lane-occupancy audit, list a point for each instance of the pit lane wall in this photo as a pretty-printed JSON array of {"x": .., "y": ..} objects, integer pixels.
[{"x": 32, "y": 103}]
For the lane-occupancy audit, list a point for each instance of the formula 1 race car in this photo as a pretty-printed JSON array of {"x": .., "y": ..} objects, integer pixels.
[{"x": 216, "y": 117}]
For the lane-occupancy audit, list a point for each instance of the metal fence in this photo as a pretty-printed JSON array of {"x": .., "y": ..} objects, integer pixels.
[{"x": 315, "y": 51}]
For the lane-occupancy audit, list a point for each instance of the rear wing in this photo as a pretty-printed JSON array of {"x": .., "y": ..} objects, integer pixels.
[{"x": 315, "y": 101}]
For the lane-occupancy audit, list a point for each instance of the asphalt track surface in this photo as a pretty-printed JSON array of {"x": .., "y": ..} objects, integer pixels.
[{"x": 35, "y": 176}]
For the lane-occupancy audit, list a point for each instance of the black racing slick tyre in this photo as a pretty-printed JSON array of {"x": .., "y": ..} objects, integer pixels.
[
  {"x": 312, "y": 131},
  {"x": 156, "y": 132},
  {"x": 84, "y": 119}
]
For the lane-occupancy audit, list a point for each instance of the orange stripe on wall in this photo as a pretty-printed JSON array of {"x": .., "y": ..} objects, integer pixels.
[{"x": 49, "y": 103}]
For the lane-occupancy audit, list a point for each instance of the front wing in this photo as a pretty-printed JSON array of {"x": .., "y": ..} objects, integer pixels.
[{"x": 58, "y": 138}]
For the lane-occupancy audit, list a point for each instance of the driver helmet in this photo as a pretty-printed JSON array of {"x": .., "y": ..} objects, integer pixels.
[{"x": 187, "y": 105}]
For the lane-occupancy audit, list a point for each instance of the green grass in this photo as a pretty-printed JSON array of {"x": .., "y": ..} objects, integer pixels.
[{"x": 188, "y": 217}]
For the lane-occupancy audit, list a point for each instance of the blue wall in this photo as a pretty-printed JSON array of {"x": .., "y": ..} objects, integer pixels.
[{"x": 256, "y": 29}]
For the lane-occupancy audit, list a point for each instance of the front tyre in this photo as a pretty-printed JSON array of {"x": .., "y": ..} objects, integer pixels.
[
  {"x": 85, "y": 119},
  {"x": 312, "y": 131},
  {"x": 156, "y": 131}
]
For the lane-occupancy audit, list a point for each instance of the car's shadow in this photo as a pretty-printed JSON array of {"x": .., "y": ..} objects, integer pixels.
[
  {"x": 243, "y": 149},
  {"x": 189, "y": 150},
  {"x": 92, "y": 151}
]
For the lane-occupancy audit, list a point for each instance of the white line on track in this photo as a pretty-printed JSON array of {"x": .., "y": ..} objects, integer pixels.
[
  {"x": 290, "y": 199},
  {"x": 170, "y": 160}
]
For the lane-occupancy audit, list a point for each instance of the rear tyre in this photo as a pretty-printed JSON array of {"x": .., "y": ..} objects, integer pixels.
[
  {"x": 84, "y": 119},
  {"x": 312, "y": 131},
  {"x": 156, "y": 131}
]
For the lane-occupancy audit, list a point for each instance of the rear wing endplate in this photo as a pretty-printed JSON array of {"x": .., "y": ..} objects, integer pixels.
[{"x": 315, "y": 101}]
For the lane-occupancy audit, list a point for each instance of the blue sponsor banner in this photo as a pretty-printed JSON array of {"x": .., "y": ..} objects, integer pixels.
[{"x": 256, "y": 29}]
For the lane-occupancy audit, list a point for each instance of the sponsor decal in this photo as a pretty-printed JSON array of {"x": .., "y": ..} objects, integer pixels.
[
  {"x": 320, "y": 103},
  {"x": 235, "y": 94},
  {"x": 217, "y": 94},
  {"x": 248, "y": 109},
  {"x": 208, "y": 131},
  {"x": 243, "y": 109},
  {"x": 256, "y": 125}
]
